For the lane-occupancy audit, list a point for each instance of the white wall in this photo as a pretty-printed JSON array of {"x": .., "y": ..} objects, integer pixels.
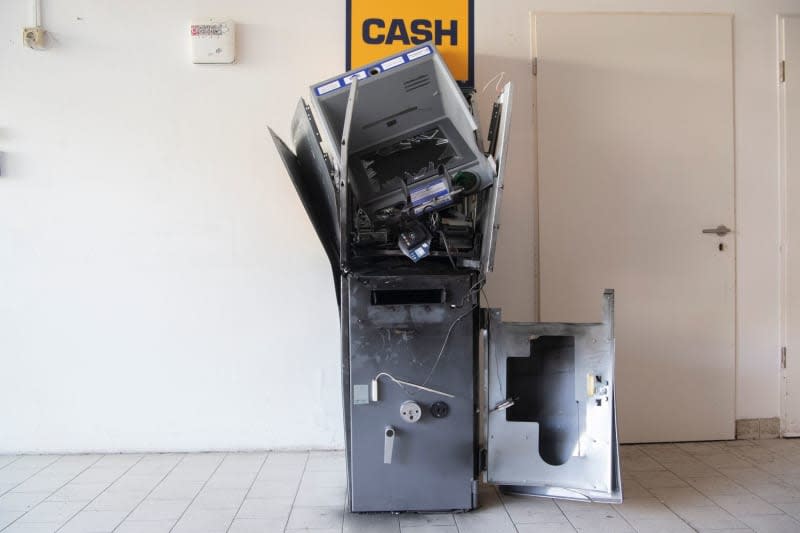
[{"x": 160, "y": 285}]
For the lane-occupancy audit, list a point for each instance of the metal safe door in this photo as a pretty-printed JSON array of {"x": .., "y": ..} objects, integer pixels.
[{"x": 550, "y": 417}]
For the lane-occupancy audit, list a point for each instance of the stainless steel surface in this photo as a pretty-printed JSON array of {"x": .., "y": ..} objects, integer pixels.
[{"x": 559, "y": 438}]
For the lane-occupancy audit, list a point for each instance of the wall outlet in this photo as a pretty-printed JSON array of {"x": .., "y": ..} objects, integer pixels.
[{"x": 34, "y": 37}]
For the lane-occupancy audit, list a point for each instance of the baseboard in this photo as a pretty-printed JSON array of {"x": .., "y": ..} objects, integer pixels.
[{"x": 758, "y": 428}]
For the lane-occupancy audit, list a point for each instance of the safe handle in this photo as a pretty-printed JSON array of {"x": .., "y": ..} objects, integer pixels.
[
  {"x": 720, "y": 230},
  {"x": 388, "y": 444}
]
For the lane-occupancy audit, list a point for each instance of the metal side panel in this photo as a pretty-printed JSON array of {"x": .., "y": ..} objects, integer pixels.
[
  {"x": 551, "y": 415},
  {"x": 498, "y": 142},
  {"x": 314, "y": 197},
  {"x": 315, "y": 164}
]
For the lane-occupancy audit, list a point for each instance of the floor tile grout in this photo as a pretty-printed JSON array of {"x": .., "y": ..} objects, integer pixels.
[
  {"x": 198, "y": 492},
  {"x": 160, "y": 481},
  {"x": 57, "y": 457},
  {"x": 101, "y": 492},
  {"x": 258, "y": 472},
  {"x": 297, "y": 491},
  {"x": 743, "y": 482},
  {"x": 54, "y": 491}
]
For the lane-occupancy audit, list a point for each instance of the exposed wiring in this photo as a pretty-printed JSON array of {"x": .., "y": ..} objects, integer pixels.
[
  {"x": 447, "y": 249},
  {"x": 496, "y": 361},
  {"x": 499, "y": 78},
  {"x": 444, "y": 344},
  {"x": 403, "y": 384}
]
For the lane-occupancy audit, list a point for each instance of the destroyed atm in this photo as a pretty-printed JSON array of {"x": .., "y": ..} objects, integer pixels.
[{"x": 439, "y": 393}]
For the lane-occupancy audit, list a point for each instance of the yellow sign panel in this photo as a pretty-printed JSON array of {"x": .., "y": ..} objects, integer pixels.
[{"x": 379, "y": 28}]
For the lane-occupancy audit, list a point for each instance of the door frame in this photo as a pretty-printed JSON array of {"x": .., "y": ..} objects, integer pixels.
[{"x": 784, "y": 230}]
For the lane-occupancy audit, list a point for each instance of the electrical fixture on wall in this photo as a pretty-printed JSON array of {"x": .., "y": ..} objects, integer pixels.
[
  {"x": 35, "y": 36},
  {"x": 213, "y": 41}
]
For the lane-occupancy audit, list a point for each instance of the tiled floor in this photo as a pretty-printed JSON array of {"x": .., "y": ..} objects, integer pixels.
[{"x": 738, "y": 485}]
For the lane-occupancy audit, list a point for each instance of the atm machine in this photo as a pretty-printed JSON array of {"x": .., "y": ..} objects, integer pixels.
[{"x": 439, "y": 393}]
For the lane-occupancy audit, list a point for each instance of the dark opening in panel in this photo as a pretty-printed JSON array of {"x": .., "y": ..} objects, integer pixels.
[
  {"x": 407, "y": 296},
  {"x": 543, "y": 387}
]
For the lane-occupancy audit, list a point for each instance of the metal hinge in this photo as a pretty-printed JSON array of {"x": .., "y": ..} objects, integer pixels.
[
  {"x": 783, "y": 356},
  {"x": 782, "y": 71},
  {"x": 534, "y": 65}
]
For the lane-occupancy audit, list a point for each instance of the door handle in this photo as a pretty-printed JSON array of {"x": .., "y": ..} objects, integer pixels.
[
  {"x": 388, "y": 444},
  {"x": 720, "y": 230}
]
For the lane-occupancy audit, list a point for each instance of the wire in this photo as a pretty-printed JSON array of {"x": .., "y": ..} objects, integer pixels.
[
  {"x": 494, "y": 356},
  {"x": 402, "y": 384},
  {"x": 447, "y": 249},
  {"x": 497, "y": 85},
  {"x": 444, "y": 344}
]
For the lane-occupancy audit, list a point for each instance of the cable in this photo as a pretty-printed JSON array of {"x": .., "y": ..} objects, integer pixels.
[
  {"x": 497, "y": 85},
  {"x": 400, "y": 383},
  {"x": 447, "y": 249},
  {"x": 444, "y": 344},
  {"x": 494, "y": 356}
]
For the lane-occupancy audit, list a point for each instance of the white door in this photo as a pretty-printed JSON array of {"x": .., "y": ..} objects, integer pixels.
[
  {"x": 635, "y": 150},
  {"x": 790, "y": 103}
]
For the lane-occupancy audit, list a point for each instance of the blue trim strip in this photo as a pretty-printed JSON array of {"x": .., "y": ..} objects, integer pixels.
[{"x": 344, "y": 80}]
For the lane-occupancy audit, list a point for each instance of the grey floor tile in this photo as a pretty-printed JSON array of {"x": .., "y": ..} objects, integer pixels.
[
  {"x": 78, "y": 492},
  {"x": 159, "y": 510},
  {"x": 176, "y": 489},
  {"x": 93, "y": 522},
  {"x": 599, "y": 521},
  {"x": 556, "y": 527},
  {"x": 645, "y": 510},
  {"x": 315, "y": 518},
  {"x": 426, "y": 519},
  {"x": 747, "y": 504},
  {"x": 484, "y": 520},
  {"x": 316, "y": 496},
  {"x": 52, "y": 512},
  {"x": 18, "y": 527},
  {"x": 255, "y": 525},
  {"x": 675, "y": 497},
  {"x": 371, "y": 523},
  {"x": 273, "y": 489},
  {"x": 6, "y": 460},
  {"x": 111, "y": 500},
  {"x": 204, "y": 521},
  {"x": 429, "y": 529},
  {"x": 272, "y": 509},
  {"x": 325, "y": 478},
  {"x": 219, "y": 498},
  {"x": 772, "y": 523},
  {"x": 673, "y": 487},
  {"x": 325, "y": 461},
  {"x": 231, "y": 480},
  {"x": 661, "y": 526},
  {"x": 21, "y": 501},
  {"x": 327, "y": 530},
  {"x": 150, "y": 526},
  {"x": 7, "y": 517},
  {"x": 658, "y": 479},
  {"x": 524, "y": 510},
  {"x": 709, "y": 518}
]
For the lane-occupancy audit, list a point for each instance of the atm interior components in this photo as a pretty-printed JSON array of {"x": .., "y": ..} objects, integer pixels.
[{"x": 405, "y": 198}]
